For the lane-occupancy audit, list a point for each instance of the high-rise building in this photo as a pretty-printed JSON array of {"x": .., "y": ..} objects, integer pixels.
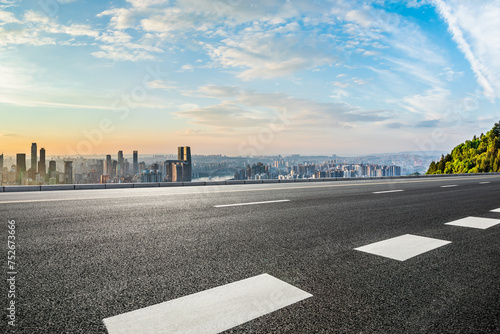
[
  {"x": 184, "y": 154},
  {"x": 136, "y": 163},
  {"x": 114, "y": 168},
  {"x": 179, "y": 170},
  {"x": 68, "y": 172},
  {"x": 109, "y": 165},
  {"x": 120, "y": 165},
  {"x": 52, "y": 168},
  {"x": 42, "y": 168},
  {"x": 20, "y": 167},
  {"x": 34, "y": 159},
  {"x": 1, "y": 169}
]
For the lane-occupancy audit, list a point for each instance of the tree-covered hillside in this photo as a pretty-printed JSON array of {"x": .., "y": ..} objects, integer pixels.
[{"x": 479, "y": 155}]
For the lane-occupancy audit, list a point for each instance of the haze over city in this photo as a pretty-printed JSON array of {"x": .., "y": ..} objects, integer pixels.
[{"x": 247, "y": 77}]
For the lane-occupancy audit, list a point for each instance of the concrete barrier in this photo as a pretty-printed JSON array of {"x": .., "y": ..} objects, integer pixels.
[
  {"x": 235, "y": 182},
  {"x": 146, "y": 185},
  {"x": 215, "y": 183},
  {"x": 58, "y": 187},
  {"x": 271, "y": 181},
  {"x": 197, "y": 183},
  {"x": 119, "y": 185},
  {"x": 252, "y": 181},
  {"x": 90, "y": 186},
  {"x": 9, "y": 189},
  {"x": 316, "y": 180},
  {"x": 170, "y": 184},
  {"x": 286, "y": 180}
]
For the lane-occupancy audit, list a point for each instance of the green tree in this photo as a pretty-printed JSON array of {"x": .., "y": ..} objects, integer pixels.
[{"x": 477, "y": 155}]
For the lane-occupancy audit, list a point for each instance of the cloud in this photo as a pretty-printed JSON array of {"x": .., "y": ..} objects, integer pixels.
[
  {"x": 7, "y": 17},
  {"x": 394, "y": 125},
  {"x": 161, "y": 84},
  {"x": 474, "y": 28},
  {"x": 432, "y": 104},
  {"x": 271, "y": 54},
  {"x": 428, "y": 124},
  {"x": 146, "y": 3},
  {"x": 250, "y": 109}
]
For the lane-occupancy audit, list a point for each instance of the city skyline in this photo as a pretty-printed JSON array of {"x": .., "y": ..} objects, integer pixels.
[{"x": 247, "y": 78}]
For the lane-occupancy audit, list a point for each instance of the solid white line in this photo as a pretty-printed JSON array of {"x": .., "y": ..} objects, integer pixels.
[
  {"x": 450, "y": 185},
  {"x": 387, "y": 191},
  {"x": 210, "y": 311},
  {"x": 251, "y": 203}
]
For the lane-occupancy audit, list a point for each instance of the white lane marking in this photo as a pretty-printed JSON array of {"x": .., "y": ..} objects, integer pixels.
[
  {"x": 285, "y": 186},
  {"x": 210, "y": 311},
  {"x": 251, "y": 203},
  {"x": 450, "y": 185},
  {"x": 403, "y": 247},
  {"x": 484, "y": 182},
  {"x": 387, "y": 191},
  {"x": 475, "y": 222},
  {"x": 496, "y": 210}
]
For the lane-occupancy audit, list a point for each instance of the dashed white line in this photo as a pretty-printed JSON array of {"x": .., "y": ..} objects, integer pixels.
[
  {"x": 484, "y": 182},
  {"x": 475, "y": 222},
  {"x": 210, "y": 311},
  {"x": 387, "y": 191},
  {"x": 251, "y": 203},
  {"x": 403, "y": 247},
  {"x": 449, "y": 186},
  {"x": 496, "y": 210}
]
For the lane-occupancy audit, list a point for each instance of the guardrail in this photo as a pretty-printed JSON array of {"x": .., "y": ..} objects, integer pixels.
[{"x": 211, "y": 183}]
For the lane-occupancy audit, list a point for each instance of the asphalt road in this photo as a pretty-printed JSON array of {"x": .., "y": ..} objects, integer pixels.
[{"x": 84, "y": 256}]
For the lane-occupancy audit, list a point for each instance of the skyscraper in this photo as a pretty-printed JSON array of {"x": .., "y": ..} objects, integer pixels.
[
  {"x": 179, "y": 170},
  {"x": 20, "y": 167},
  {"x": 1, "y": 168},
  {"x": 42, "y": 168},
  {"x": 33, "y": 157},
  {"x": 52, "y": 167},
  {"x": 68, "y": 172},
  {"x": 120, "y": 165},
  {"x": 184, "y": 154},
  {"x": 109, "y": 165},
  {"x": 136, "y": 162}
]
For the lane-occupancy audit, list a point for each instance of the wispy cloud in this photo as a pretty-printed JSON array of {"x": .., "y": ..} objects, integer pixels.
[{"x": 474, "y": 27}]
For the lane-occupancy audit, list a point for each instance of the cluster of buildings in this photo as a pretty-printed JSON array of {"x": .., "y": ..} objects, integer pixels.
[
  {"x": 328, "y": 169},
  {"x": 36, "y": 172},
  {"x": 84, "y": 171}
]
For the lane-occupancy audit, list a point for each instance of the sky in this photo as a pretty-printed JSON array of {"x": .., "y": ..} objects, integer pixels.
[{"x": 236, "y": 77}]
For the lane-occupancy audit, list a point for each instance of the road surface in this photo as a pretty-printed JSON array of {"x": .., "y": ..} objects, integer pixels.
[{"x": 374, "y": 256}]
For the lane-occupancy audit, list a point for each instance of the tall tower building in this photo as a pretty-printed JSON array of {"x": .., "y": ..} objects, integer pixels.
[
  {"x": 20, "y": 167},
  {"x": 42, "y": 168},
  {"x": 120, "y": 165},
  {"x": 114, "y": 168},
  {"x": 109, "y": 165},
  {"x": 68, "y": 172},
  {"x": 136, "y": 162},
  {"x": 34, "y": 159},
  {"x": 1, "y": 169},
  {"x": 184, "y": 155}
]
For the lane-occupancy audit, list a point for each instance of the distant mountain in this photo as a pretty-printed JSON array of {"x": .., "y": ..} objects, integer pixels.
[{"x": 479, "y": 155}]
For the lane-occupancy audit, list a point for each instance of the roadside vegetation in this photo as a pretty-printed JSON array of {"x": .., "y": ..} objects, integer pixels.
[{"x": 479, "y": 155}]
